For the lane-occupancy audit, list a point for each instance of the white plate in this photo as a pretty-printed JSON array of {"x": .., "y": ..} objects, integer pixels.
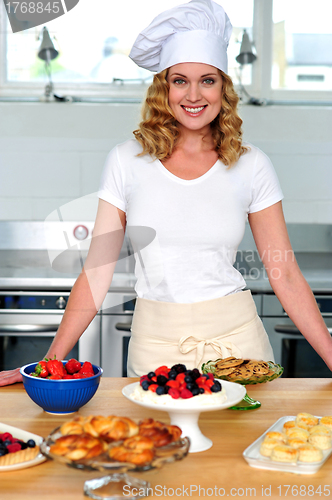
[
  {"x": 255, "y": 459},
  {"x": 234, "y": 392},
  {"x": 25, "y": 436}
]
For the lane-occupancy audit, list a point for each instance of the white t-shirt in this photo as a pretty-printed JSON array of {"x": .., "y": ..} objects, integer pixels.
[{"x": 185, "y": 233}]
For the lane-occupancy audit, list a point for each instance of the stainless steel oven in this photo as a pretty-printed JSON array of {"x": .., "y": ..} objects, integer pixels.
[
  {"x": 29, "y": 320},
  {"x": 290, "y": 348}
]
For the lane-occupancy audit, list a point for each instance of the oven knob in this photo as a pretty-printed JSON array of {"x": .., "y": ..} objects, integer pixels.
[
  {"x": 81, "y": 232},
  {"x": 61, "y": 303}
]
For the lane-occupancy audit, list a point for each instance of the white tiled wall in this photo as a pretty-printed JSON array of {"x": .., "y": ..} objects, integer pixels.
[{"x": 51, "y": 154}]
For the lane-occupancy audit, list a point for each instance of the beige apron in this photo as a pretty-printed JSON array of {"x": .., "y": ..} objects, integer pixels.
[{"x": 165, "y": 333}]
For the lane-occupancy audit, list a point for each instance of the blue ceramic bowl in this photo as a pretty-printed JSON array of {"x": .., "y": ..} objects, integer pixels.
[{"x": 60, "y": 396}]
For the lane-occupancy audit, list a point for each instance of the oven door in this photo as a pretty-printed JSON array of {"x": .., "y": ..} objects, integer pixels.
[
  {"x": 292, "y": 350},
  {"x": 26, "y": 337}
]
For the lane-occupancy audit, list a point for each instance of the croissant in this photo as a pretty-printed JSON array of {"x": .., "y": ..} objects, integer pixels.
[
  {"x": 109, "y": 428},
  {"x": 76, "y": 447},
  {"x": 160, "y": 433},
  {"x": 137, "y": 450}
]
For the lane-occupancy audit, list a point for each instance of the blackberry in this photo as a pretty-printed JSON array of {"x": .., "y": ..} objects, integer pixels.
[
  {"x": 161, "y": 380},
  {"x": 179, "y": 368}
]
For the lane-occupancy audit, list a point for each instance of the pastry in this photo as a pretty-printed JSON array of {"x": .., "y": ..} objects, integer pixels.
[
  {"x": 289, "y": 425},
  {"x": 276, "y": 435},
  {"x": 78, "y": 447},
  {"x": 322, "y": 441},
  {"x": 319, "y": 429},
  {"x": 306, "y": 420},
  {"x": 309, "y": 453},
  {"x": 327, "y": 421},
  {"x": 296, "y": 442},
  {"x": 297, "y": 432},
  {"x": 109, "y": 428},
  {"x": 19, "y": 456},
  {"x": 267, "y": 446},
  {"x": 137, "y": 450},
  {"x": 160, "y": 433},
  {"x": 284, "y": 453}
]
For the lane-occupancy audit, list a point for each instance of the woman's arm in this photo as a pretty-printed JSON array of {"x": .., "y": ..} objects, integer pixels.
[
  {"x": 270, "y": 234},
  {"x": 91, "y": 286}
]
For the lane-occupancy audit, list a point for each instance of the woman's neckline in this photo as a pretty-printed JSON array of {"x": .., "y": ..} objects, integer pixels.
[{"x": 187, "y": 181}]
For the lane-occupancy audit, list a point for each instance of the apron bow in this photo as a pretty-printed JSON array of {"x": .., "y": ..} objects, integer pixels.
[{"x": 223, "y": 349}]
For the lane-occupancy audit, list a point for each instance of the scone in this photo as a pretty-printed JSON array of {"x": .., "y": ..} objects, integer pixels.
[
  {"x": 297, "y": 432},
  {"x": 306, "y": 420},
  {"x": 309, "y": 453},
  {"x": 319, "y": 429},
  {"x": 296, "y": 442},
  {"x": 267, "y": 446},
  {"x": 284, "y": 453},
  {"x": 327, "y": 421},
  {"x": 276, "y": 435},
  {"x": 322, "y": 441},
  {"x": 289, "y": 425},
  {"x": 19, "y": 456}
]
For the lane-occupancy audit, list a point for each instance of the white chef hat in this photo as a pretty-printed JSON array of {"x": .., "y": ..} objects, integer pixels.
[{"x": 198, "y": 31}]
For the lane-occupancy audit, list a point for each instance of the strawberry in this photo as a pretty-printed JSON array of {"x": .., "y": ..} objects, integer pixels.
[
  {"x": 73, "y": 366},
  {"x": 180, "y": 377},
  {"x": 55, "y": 367},
  {"x": 162, "y": 370},
  {"x": 87, "y": 369},
  {"x": 153, "y": 387},
  {"x": 41, "y": 369},
  {"x": 173, "y": 383}
]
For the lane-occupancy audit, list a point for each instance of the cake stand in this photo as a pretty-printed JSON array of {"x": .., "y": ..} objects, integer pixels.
[{"x": 185, "y": 412}]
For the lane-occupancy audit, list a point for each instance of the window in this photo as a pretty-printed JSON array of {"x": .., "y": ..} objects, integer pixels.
[
  {"x": 302, "y": 55},
  {"x": 293, "y": 56}
]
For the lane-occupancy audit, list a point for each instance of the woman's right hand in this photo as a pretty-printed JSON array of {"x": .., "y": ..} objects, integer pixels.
[{"x": 10, "y": 377}]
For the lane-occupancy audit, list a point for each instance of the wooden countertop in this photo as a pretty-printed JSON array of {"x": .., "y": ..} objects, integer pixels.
[{"x": 222, "y": 466}]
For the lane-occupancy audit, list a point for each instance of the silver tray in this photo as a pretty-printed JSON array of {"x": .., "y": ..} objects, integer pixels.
[{"x": 255, "y": 459}]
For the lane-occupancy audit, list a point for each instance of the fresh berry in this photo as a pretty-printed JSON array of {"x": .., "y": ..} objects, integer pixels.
[
  {"x": 153, "y": 387},
  {"x": 172, "y": 374},
  {"x": 179, "y": 368},
  {"x": 145, "y": 385},
  {"x": 14, "y": 447},
  {"x": 186, "y": 394},
  {"x": 31, "y": 443},
  {"x": 175, "y": 393},
  {"x": 151, "y": 374},
  {"x": 160, "y": 390},
  {"x": 161, "y": 380},
  {"x": 216, "y": 387}
]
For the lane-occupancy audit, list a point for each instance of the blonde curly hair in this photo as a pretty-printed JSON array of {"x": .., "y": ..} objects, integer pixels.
[{"x": 158, "y": 132}]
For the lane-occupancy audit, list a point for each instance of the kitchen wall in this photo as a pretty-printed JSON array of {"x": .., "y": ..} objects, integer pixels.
[{"x": 52, "y": 154}]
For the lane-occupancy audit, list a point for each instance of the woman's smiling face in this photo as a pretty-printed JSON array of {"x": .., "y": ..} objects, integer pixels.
[{"x": 195, "y": 91}]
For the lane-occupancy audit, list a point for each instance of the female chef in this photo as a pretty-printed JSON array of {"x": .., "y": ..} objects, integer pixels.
[{"x": 184, "y": 188}]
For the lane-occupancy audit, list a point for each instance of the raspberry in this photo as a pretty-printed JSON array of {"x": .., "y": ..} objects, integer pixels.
[
  {"x": 14, "y": 447},
  {"x": 186, "y": 394},
  {"x": 174, "y": 393}
]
